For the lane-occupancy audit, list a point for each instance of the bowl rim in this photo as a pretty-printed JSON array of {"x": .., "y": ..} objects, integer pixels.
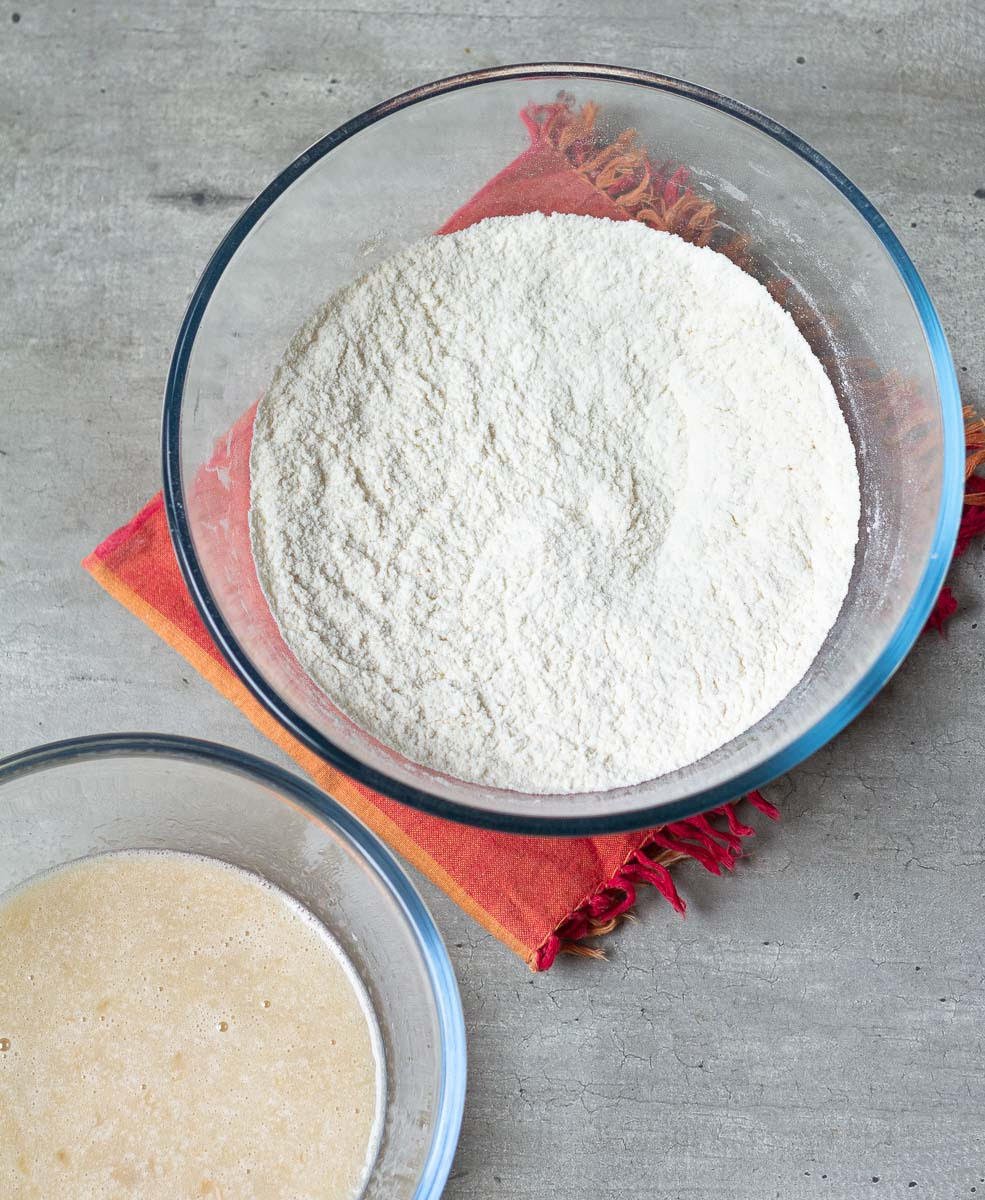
[
  {"x": 371, "y": 850},
  {"x": 606, "y": 821}
]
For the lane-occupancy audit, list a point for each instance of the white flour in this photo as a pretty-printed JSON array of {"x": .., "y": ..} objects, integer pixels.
[{"x": 555, "y": 503}]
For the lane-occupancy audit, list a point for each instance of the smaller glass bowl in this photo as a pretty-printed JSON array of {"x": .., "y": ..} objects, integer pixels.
[{"x": 71, "y": 799}]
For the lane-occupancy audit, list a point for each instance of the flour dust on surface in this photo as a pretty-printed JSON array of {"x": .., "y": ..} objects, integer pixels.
[{"x": 553, "y": 503}]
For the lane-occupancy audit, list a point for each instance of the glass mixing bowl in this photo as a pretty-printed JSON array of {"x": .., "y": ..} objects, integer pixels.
[
  {"x": 144, "y": 791},
  {"x": 393, "y": 175}
]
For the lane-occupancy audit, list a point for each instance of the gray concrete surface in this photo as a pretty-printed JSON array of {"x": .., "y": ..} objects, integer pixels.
[{"x": 815, "y": 1027}]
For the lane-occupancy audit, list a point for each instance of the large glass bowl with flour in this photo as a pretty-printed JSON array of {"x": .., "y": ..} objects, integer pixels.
[{"x": 393, "y": 176}]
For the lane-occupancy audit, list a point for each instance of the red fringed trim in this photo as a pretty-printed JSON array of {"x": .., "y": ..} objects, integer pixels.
[
  {"x": 643, "y": 869},
  {"x": 972, "y": 524},
  {"x": 972, "y": 516},
  {"x": 759, "y": 801},
  {"x": 713, "y": 839},
  {"x": 944, "y": 609}
]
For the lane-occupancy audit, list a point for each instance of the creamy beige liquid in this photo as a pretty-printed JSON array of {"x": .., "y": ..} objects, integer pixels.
[{"x": 174, "y": 1028}]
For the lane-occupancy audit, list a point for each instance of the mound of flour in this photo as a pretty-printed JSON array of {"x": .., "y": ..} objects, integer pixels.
[{"x": 554, "y": 503}]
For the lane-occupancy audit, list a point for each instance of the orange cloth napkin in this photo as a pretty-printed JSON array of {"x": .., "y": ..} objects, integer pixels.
[{"x": 537, "y": 895}]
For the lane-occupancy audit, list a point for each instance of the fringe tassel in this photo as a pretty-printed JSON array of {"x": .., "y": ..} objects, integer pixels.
[
  {"x": 656, "y": 194},
  {"x": 974, "y": 431},
  {"x": 714, "y": 839},
  {"x": 972, "y": 524}
]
